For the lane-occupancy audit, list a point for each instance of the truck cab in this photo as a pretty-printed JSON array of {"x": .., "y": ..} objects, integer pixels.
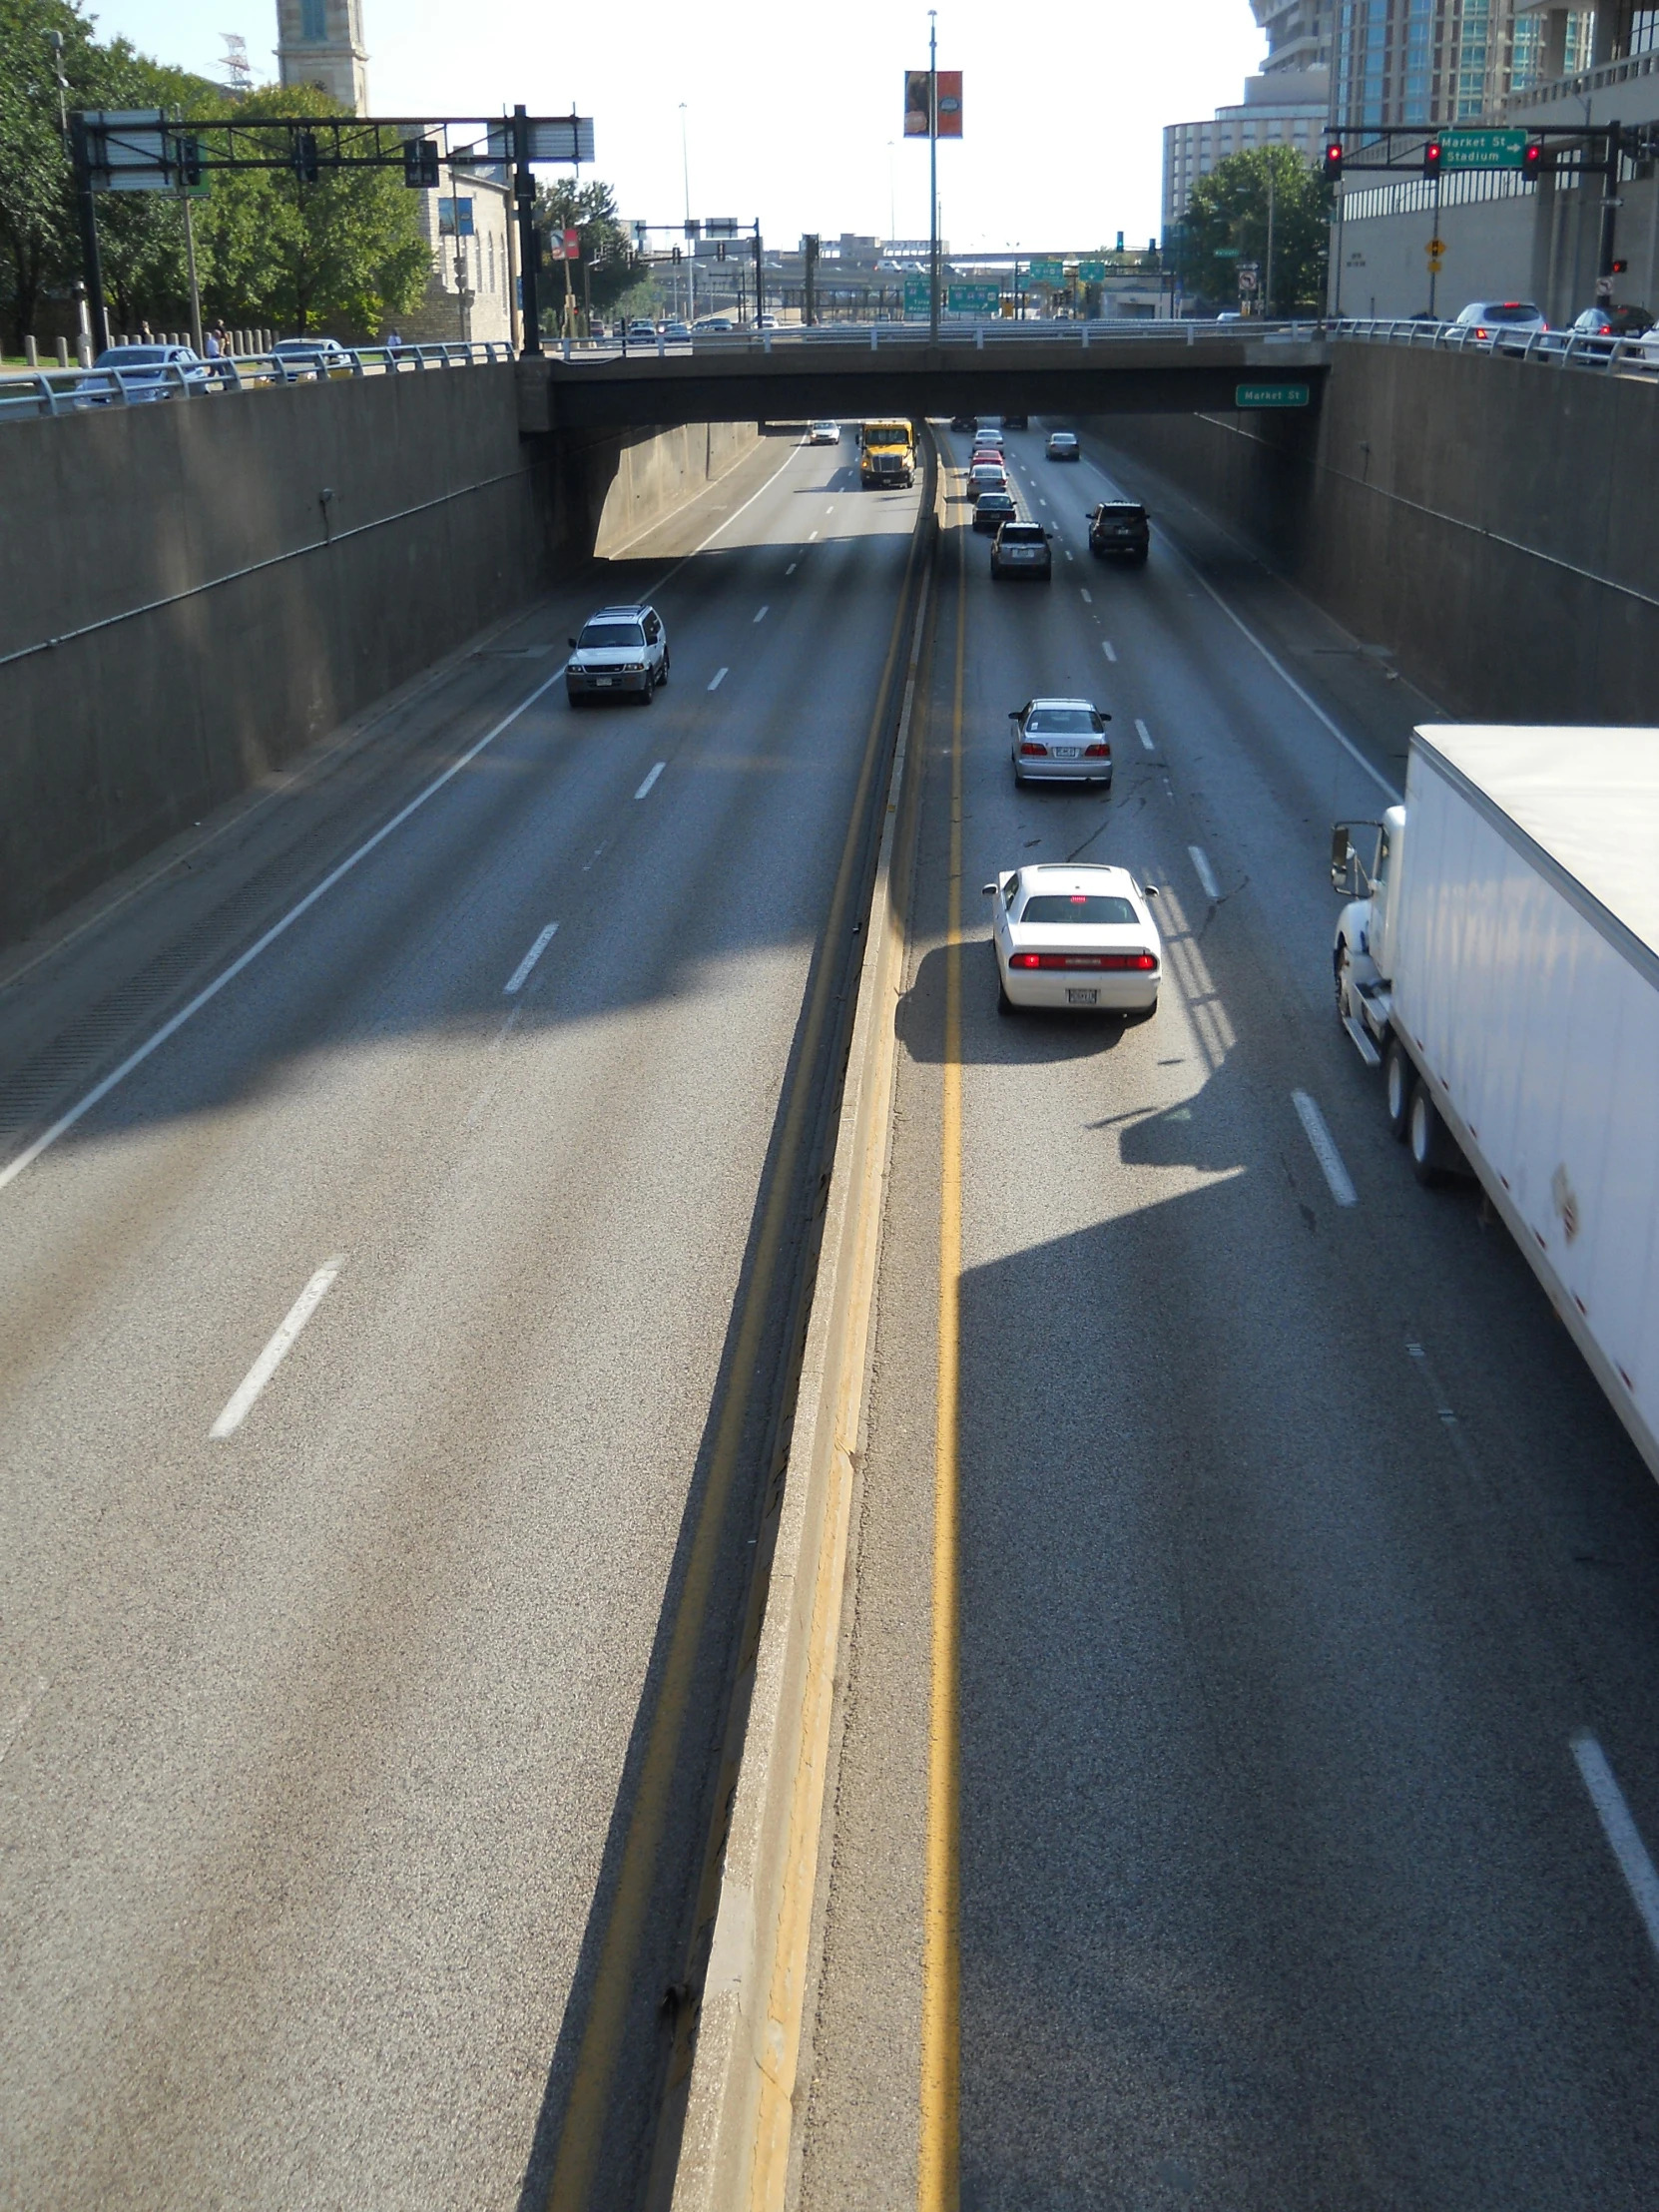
[
  {"x": 887, "y": 454},
  {"x": 1365, "y": 860}
]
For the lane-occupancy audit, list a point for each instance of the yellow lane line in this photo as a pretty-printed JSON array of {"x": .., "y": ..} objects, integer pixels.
[
  {"x": 937, "y": 2178},
  {"x": 582, "y": 2133}
]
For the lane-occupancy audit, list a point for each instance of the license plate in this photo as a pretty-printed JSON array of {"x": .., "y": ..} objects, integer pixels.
[
  {"x": 1065, "y": 752},
  {"x": 603, "y": 683},
  {"x": 1076, "y": 997}
]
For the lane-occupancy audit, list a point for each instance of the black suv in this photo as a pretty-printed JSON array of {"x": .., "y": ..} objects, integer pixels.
[{"x": 1118, "y": 528}]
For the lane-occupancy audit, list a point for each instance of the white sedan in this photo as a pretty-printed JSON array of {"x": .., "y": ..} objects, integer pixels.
[
  {"x": 825, "y": 433},
  {"x": 1071, "y": 937}
]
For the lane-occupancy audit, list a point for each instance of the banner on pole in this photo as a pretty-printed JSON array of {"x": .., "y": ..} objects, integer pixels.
[{"x": 915, "y": 103}]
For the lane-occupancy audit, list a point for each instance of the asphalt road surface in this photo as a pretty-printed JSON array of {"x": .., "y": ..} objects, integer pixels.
[
  {"x": 1304, "y": 1583},
  {"x": 388, "y": 1364}
]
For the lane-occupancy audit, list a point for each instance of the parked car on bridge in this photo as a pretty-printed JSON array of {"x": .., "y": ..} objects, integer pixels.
[
  {"x": 992, "y": 509},
  {"x": 1120, "y": 530},
  {"x": 1064, "y": 446},
  {"x": 677, "y": 333},
  {"x": 1022, "y": 549},
  {"x": 1490, "y": 322},
  {"x": 1611, "y": 321},
  {"x": 641, "y": 331},
  {"x": 622, "y": 650},
  {"x": 298, "y": 359},
  {"x": 142, "y": 372},
  {"x": 1071, "y": 938},
  {"x": 714, "y": 322}
]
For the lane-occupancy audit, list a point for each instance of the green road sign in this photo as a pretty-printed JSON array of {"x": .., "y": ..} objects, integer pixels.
[
  {"x": 1092, "y": 272},
  {"x": 1227, "y": 253},
  {"x": 973, "y": 298},
  {"x": 1048, "y": 273},
  {"x": 917, "y": 296},
  {"x": 1270, "y": 395},
  {"x": 1483, "y": 149}
]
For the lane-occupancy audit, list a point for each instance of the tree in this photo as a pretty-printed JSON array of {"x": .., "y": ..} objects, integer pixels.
[
  {"x": 610, "y": 268},
  {"x": 347, "y": 250},
  {"x": 1229, "y": 207}
]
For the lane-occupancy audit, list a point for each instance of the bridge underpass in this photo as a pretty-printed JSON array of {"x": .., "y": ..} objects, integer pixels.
[
  {"x": 1003, "y": 368},
  {"x": 359, "y": 1760}
]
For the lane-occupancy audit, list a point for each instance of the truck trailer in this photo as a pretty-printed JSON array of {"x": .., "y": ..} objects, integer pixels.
[{"x": 1498, "y": 958}]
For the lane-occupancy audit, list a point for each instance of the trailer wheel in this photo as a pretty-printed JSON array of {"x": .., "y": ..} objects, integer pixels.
[
  {"x": 1397, "y": 1077},
  {"x": 1426, "y": 1137}
]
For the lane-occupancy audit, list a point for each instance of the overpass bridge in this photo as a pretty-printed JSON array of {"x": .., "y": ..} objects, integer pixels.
[{"x": 987, "y": 368}]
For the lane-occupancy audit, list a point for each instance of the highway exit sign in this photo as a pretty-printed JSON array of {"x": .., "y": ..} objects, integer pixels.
[
  {"x": 1483, "y": 149},
  {"x": 973, "y": 298},
  {"x": 1270, "y": 395}
]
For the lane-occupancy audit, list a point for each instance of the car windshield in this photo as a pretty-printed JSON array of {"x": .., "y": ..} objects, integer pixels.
[
  {"x": 1021, "y": 533},
  {"x": 1079, "y": 907},
  {"x": 614, "y": 636},
  {"x": 1061, "y": 722},
  {"x": 132, "y": 356}
]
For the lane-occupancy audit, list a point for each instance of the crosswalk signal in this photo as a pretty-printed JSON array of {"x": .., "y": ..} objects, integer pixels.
[
  {"x": 420, "y": 163},
  {"x": 307, "y": 168},
  {"x": 1432, "y": 155},
  {"x": 1332, "y": 160}
]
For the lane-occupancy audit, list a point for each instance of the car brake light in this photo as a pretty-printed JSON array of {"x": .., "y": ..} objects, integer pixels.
[
  {"x": 1030, "y": 750},
  {"x": 1138, "y": 964},
  {"x": 1097, "y": 753}
]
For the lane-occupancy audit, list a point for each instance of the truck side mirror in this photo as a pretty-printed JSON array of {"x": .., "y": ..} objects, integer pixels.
[{"x": 1342, "y": 857}]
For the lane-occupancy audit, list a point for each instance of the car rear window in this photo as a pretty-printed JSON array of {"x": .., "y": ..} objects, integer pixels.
[
  {"x": 1079, "y": 907},
  {"x": 1062, "y": 721},
  {"x": 612, "y": 634},
  {"x": 996, "y": 503},
  {"x": 1119, "y": 511},
  {"x": 1510, "y": 311},
  {"x": 1021, "y": 533},
  {"x": 132, "y": 356}
]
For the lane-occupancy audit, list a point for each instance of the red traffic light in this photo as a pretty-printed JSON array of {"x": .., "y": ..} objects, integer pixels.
[
  {"x": 1333, "y": 156},
  {"x": 1431, "y": 153},
  {"x": 1532, "y": 160}
]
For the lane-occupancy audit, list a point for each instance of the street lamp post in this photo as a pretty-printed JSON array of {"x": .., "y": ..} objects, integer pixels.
[{"x": 932, "y": 176}]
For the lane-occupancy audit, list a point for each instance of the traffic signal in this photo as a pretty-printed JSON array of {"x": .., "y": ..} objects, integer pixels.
[
  {"x": 306, "y": 166},
  {"x": 676, "y": 256},
  {"x": 1332, "y": 158},
  {"x": 1431, "y": 153},
  {"x": 190, "y": 163},
  {"x": 1532, "y": 160},
  {"x": 420, "y": 163}
]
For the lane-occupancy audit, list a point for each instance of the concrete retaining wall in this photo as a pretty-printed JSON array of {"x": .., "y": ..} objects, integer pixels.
[
  {"x": 1488, "y": 522},
  {"x": 190, "y": 593}
]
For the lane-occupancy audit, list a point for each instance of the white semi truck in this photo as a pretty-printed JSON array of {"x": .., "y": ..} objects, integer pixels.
[{"x": 1499, "y": 958}]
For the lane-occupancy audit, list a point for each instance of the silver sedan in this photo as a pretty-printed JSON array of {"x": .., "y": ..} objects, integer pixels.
[{"x": 1061, "y": 741}]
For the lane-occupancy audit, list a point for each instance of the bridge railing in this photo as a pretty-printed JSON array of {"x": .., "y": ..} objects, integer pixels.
[
  {"x": 1633, "y": 356},
  {"x": 57, "y": 391},
  {"x": 882, "y": 337}
]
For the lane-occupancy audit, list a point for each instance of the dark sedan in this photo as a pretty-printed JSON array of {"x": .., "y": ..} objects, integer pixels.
[
  {"x": 992, "y": 509},
  {"x": 1022, "y": 549},
  {"x": 1119, "y": 530}
]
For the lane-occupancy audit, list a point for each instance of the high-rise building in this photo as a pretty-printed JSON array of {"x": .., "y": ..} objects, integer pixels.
[
  {"x": 320, "y": 42},
  {"x": 1298, "y": 33},
  {"x": 1281, "y": 106},
  {"x": 1406, "y": 62}
]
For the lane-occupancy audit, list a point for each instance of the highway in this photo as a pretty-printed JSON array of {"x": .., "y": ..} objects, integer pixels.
[
  {"x": 403, "y": 1206},
  {"x": 1254, "y": 1651}
]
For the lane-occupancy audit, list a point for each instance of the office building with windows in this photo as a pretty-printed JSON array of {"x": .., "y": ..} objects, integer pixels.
[{"x": 1279, "y": 108}]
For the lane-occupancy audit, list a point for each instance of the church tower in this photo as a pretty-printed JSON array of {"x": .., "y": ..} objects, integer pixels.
[{"x": 320, "y": 42}]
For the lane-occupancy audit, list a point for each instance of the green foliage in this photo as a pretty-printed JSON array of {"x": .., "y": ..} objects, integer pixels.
[
  {"x": 346, "y": 252},
  {"x": 610, "y": 270},
  {"x": 1229, "y": 207}
]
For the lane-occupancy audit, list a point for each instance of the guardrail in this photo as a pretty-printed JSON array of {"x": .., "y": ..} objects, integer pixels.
[
  {"x": 888, "y": 336},
  {"x": 58, "y": 391},
  {"x": 1558, "y": 349}
]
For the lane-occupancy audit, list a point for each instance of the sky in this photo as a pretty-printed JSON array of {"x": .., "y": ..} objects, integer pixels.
[{"x": 794, "y": 115}]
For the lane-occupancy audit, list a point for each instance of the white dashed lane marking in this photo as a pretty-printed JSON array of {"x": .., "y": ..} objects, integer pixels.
[
  {"x": 1324, "y": 1149},
  {"x": 719, "y": 678},
  {"x": 1145, "y": 735},
  {"x": 1619, "y": 1827},
  {"x": 520, "y": 976},
  {"x": 644, "y": 790},
  {"x": 274, "y": 1353},
  {"x": 1204, "y": 872},
  {"x": 1109, "y": 648}
]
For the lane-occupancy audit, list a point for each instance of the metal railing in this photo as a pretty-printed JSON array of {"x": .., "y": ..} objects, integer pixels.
[
  {"x": 1636, "y": 356},
  {"x": 58, "y": 391},
  {"x": 882, "y": 337}
]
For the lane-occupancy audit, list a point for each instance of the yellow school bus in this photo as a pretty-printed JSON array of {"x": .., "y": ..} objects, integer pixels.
[{"x": 887, "y": 453}]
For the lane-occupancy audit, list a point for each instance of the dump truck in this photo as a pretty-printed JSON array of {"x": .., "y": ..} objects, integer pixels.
[{"x": 1498, "y": 958}]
